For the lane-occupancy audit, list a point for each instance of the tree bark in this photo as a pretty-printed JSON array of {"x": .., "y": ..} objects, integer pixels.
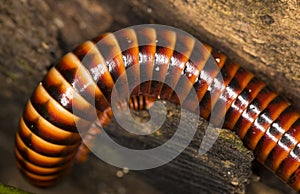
[
  {"x": 224, "y": 168},
  {"x": 263, "y": 36}
]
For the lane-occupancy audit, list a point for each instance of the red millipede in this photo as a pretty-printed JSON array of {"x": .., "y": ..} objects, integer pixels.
[{"x": 48, "y": 141}]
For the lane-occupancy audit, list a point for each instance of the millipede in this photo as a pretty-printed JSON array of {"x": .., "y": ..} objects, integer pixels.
[{"x": 48, "y": 141}]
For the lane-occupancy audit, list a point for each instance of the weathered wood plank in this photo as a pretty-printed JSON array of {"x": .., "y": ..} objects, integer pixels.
[
  {"x": 263, "y": 36},
  {"x": 225, "y": 168}
]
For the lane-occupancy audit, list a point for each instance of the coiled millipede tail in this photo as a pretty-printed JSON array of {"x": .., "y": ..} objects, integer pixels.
[{"x": 48, "y": 141}]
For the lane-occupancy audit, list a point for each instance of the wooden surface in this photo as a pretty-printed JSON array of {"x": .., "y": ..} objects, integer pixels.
[
  {"x": 263, "y": 36},
  {"x": 224, "y": 168}
]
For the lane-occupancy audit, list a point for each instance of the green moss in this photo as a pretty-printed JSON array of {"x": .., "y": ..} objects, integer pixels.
[
  {"x": 5, "y": 189},
  {"x": 231, "y": 139},
  {"x": 24, "y": 65}
]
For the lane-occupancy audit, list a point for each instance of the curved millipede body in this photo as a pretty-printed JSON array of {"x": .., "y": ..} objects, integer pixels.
[{"x": 48, "y": 140}]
